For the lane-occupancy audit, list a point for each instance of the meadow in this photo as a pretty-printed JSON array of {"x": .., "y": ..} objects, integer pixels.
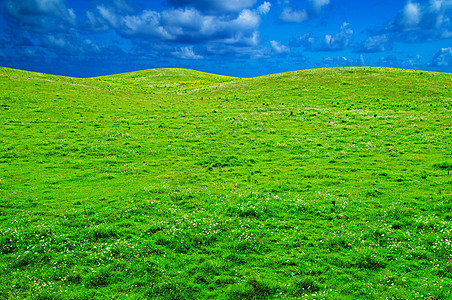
[{"x": 175, "y": 184}]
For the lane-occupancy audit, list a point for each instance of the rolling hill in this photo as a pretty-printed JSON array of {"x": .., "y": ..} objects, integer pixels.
[{"x": 176, "y": 184}]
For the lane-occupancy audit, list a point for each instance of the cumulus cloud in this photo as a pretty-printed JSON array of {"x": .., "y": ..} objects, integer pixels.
[
  {"x": 264, "y": 8},
  {"x": 186, "y": 22},
  {"x": 340, "y": 40},
  {"x": 317, "y": 5},
  {"x": 278, "y": 48},
  {"x": 186, "y": 53},
  {"x": 184, "y": 25},
  {"x": 215, "y": 5},
  {"x": 377, "y": 43},
  {"x": 292, "y": 15},
  {"x": 246, "y": 21},
  {"x": 442, "y": 58},
  {"x": 420, "y": 22},
  {"x": 339, "y": 61},
  {"x": 146, "y": 24},
  {"x": 120, "y": 5},
  {"x": 240, "y": 40},
  {"x": 414, "y": 23},
  {"x": 410, "y": 16}
]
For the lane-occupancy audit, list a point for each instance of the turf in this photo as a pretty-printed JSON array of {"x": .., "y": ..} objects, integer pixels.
[{"x": 177, "y": 184}]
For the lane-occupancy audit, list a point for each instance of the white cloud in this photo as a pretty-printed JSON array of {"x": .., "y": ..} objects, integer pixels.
[
  {"x": 339, "y": 41},
  {"x": 179, "y": 22},
  {"x": 292, "y": 15},
  {"x": 343, "y": 61},
  {"x": 234, "y": 5},
  {"x": 377, "y": 43},
  {"x": 145, "y": 25},
  {"x": 264, "y": 8},
  {"x": 433, "y": 15},
  {"x": 247, "y": 20},
  {"x": 241, "y": 40},
  {"x": 307, "y": 38},
  {"x": 419, "y": 22},
  {"x": 411, "y": 15},
  {"x": 442, "y": 58},
  {"x": 107, "y": 14},
  {"x": 186, "y": 53},
  {"x": 53, "y": 7},
  {"x": 318, "y": 4},
  {"x": 278, "y": 48},
  {"x": 187, "y": 26},
  {"x": 215, "y": 6}
]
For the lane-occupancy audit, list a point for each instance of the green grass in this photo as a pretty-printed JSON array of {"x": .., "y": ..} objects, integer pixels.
[{"x": 177, "y": 184}]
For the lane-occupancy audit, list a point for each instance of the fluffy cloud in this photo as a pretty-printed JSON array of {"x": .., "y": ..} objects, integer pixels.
[
  {"x": 215, "y": 5},
  {"x": 419, "y": 22},
  {"x": 228, "y": 34},
  {"x": 186, "y": 53},
  {"x": 377, "y": 43},
  {"x": 50, "y": 28},
  {"x": 291, "y": 15},
  {"x": 240, "y": 40},
  {"x": 264, "y": 8},
  {"x": 410, "y": 16},
  {"x": 442, "y": 58},
  {"x": 414, "y": 23},
  {"x": 340, "y": 40},
  {"x": 278, "y": 48},
  {"x": 339, "y": 61},
  {"x": 186, "y": 25},
  {"x": 317, "y": 5},
  {"x": 146, "y": 24},
  {"x": 247, "y": 21}
]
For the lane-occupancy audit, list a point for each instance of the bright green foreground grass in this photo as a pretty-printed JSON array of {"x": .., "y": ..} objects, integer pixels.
[{"x": 175, "y": 184}]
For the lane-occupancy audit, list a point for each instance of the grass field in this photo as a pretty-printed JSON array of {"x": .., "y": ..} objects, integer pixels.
[{"x": 177, "y": 184}]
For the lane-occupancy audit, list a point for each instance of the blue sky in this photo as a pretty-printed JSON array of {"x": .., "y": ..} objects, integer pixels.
[{"x": 244, "y": 38}]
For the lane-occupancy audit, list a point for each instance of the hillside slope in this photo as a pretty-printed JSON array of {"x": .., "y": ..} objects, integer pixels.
[
  {"x": 163, "y": 80},
  {"x": 173, "y": 183}
]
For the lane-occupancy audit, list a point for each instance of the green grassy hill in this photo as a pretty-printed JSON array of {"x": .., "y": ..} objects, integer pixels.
[{"x": 177, "y": 184}]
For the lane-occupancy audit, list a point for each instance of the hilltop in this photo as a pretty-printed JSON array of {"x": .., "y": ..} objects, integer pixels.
[{"x": 178, "y": 184}]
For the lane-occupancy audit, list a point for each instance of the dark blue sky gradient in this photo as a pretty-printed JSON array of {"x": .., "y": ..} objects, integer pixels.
[{"x": 244, "y": 38}]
